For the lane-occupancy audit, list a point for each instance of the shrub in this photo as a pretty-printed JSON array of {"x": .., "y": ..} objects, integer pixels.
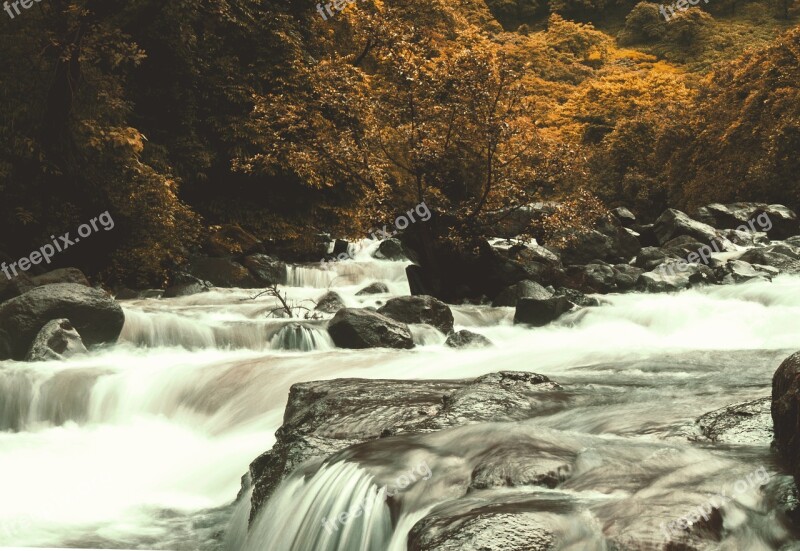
[{"x": 643, "y": 24}]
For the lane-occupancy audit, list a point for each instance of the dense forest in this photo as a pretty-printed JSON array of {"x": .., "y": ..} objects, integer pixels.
[{"x": 292, "y": 120}]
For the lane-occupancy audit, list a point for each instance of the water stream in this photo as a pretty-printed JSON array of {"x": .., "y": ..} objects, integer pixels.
[{"x": 142, "y": 445}]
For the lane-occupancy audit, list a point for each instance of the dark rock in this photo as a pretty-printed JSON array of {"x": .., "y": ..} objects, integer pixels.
[
  {"x": 682, "y": 246},
  {"x": 376, "y": 288},
  {"x": 232, "y": 240},
  {"x": 418, "y": 280},
  {"x": 576, "y": 297},
  {"x": 56, "y": 341},
  {"x": 222, "y": 272},
  {"x": 674, "y": 223},
  {"x": 728, "y": 216},
  {"x": 467, "y": 339},
  {"x": 609, "y": 242},
  {"x": 340, "y": 246},
  {"x": 741, "y": 424},
  {"x": 783, "y": 220},
  {"x": 265, "y": 269},
  {"x": 739, "y": 272},
  {"x": 62, "y": 275},
  {"x": 420, "y": 309},
  {"x": 650, "y": 258},
  {"x": 390, "y": 249},
  {"x": 647, "y": 235},
  {"x": 330, "y": 303},
  {"x": 777, "y": 260},
  {"x": 96, "y": 316},
  {"x": 184, "y": 284},
  {"x": 626, "y": 276},
  {"x": 625, "y": 217},
  {"x": 592, "y": 278},
  {"x": 746, "y": 238},
  {"x": 523, "y": 289},
  {"x": 123, "y": 293},
  {"x": 326, "y": 417},
  {"x": 540, "y": 312},
  {"x": 786, "y": 410},
  {"x": 361, "y": 328}
]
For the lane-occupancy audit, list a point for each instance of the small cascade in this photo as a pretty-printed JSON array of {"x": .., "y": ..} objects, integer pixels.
[
  {"x": 339, "y": 508},
  {"x": 426, "y": 335},
  {"x": 303, "y": 338}
]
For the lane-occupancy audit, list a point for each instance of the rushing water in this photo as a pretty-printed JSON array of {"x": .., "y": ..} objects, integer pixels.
[{"x": 143, "y": 444}]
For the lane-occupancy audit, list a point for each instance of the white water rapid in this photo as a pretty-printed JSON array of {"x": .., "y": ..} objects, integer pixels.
[{"x": 143, "y": 445}]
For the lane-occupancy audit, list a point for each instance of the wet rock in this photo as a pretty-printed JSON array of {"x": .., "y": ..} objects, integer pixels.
[
  {"x": 540, "y": 312},
  {"x": 231, "y": 240},
  {"x": 728, "y": 216},
  {"x": 57, "y": 340},
  {"x": 265, "y": 269},
  {"x": 222, "y": 272},
  {"x": 786, "y": 410},
  {"x": 746, "y": 424},
  {"x": 765, "y": 257},
  {"x": 602, "y": 278},
  {"x": 467, "y": 339},
  {"x": 485, "y": 527},
  {"x": 420, "y": 309},
  {"x": 376, "y": 288},
  {"x": 523, "y": 289},
  {"x": 576, "y": 297},
  {"x": 124, "y": 293},
  {"x": 650, "y": 258},
  {"x": 739, "y": 272},
  {"x": 390, "y": 249},
  {"x": 626, "y": 276},
  {"x": 746, "y": 238},
  {"x": 97, "y": 317},
  {"x": 326, "y": 417},
  {"x": 625, "y": 217},
  {"x": 184, "y": 285},
  {"x": 360, "y": 328},
  {"x": 330, "y": 303},
  {"x": 675, "y": 276},
  {"x": 674, "y": 223}
]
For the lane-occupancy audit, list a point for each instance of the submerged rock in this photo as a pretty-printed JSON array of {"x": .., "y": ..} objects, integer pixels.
[
  {"x": 330, "y": 303},
  {"x": 265, "y": 269},
  {"x": 748, "y": 424},
  {"x": 467, "y": 339},
  {"x": 376, "y": 288},
  {"x": 360, "y": 328},
  {"x": 390, "y": 249}
]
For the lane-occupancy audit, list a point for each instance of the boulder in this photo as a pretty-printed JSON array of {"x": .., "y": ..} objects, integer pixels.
[
  {"x": 420, "y": 309},
  {"x": 330, "y": 303},
  {"x": 609, "y": 242},
  {"x": 265, "y": 269},
  {"x": 467, "y": 339},
  {"x": 523, "y": 289},
  {"x": 786, "y": 410},
  {"x": 361, "y": 328},
  {"x": 766, "y": 257},
  {"x": 96, "y": 316},
  {"x": 390, "y": 249},
  {"x": 57, "y": 340},
  {"x": 376, "y": 288},
  {"x": 674, "y": 276},
  {"x": 575, "y": 297},
  {"x": 62, "y": 275},
  {"x": 650, "y": 258},
  {"x": 746, "y": 424},
  {"x": 674, "y": 223},
  {"x": 540, "y": 312},
  {"x": 184, "y": 284},
  {"x": 231, "y": 240},
  {"x": 222, "y": 272},
  {"x": 728, "y": 216},
  {"x": 625, "y": 217}
]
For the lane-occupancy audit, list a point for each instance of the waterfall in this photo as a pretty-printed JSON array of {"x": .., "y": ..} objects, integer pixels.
[
  {"x": 339, "y": 508},
  {"x": 303, "y": 338}
]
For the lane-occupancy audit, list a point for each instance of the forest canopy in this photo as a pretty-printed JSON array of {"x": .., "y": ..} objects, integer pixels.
[{"x": 180, "y": 116}]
